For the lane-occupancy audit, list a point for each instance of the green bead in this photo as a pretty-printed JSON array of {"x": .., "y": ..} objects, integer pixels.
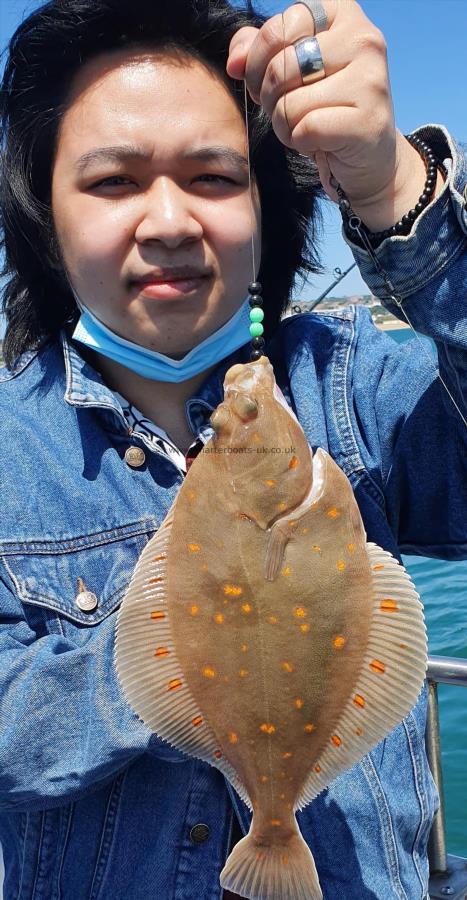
[
  {"x": 256, "y": 329},
  {"x": 256, "y": 314}
]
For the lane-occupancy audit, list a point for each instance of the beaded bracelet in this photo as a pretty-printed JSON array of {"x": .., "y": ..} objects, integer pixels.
[{"x": 404, "y": 225}]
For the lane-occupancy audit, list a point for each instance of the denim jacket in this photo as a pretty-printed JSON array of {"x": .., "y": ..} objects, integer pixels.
[{"x": 94, "y": 806}]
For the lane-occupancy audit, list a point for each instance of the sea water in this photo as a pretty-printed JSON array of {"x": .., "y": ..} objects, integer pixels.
[{"x": 443, "y": 590}]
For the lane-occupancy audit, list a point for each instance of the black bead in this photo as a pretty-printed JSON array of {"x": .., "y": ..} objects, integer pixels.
[
  {"x": 255, "y": 354},
  {"x": 258, "y": 343},
  {"x": 412, "y": 215},
  {"x": 425, "y": 197},
  {"x": 418, "y": 207},
  {"x": 405, "y": 221},
  {"x": 255, "y": 288},
  {"x": 255, "y": 300}
]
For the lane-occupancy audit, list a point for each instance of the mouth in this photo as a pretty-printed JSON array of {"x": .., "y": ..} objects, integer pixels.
[{"x": 171, "y": 284}]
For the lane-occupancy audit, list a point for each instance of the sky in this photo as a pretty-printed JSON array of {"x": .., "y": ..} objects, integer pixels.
[{"x": 426, "y": 52}]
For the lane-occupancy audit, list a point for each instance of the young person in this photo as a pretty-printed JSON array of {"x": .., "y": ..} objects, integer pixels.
[{"x": 128, "y": 235}]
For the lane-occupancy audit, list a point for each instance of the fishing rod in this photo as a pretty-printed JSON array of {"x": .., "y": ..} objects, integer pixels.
[{"x": 339, "y": 275}]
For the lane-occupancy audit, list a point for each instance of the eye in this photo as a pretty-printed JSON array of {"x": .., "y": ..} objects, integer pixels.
[
  {"x": 214, "y": 178},
  {"x": 109, "y": 180}
]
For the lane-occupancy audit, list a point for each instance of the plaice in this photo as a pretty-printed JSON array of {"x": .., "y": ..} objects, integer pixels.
[{"x": 263, "y": 634}]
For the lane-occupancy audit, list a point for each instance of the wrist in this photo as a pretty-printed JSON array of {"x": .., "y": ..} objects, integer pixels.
[{"x": 383, "y": 210}]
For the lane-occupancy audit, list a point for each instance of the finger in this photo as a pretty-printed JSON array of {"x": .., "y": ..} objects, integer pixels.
[
  {"x": 271, "y": 38},
  {"x": 330, "y": 121},
  {"x": 239, "y": 48},
  {"x": 283, "y": 72}
]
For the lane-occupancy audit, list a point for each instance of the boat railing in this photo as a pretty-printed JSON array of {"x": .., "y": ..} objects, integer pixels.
[{"x": 448, "y": 874}]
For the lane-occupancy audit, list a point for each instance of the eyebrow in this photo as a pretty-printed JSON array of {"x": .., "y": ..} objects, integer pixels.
[{"x": 126, "y": 152}]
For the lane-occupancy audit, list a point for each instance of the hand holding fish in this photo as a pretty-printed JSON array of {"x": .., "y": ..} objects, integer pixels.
[{"x": 345, "y": 120}]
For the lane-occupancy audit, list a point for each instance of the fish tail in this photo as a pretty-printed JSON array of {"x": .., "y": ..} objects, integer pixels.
[{"x": 272, "y": 872}]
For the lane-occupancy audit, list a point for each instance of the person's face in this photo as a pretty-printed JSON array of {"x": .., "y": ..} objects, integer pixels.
[{"x": 180, "y": 213}]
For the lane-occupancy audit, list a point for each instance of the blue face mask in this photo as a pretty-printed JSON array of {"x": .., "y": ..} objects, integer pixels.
[{"x": 156, "y": 366}]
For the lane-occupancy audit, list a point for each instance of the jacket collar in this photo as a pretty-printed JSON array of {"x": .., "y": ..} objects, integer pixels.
[{"x": 85, "y": 386}]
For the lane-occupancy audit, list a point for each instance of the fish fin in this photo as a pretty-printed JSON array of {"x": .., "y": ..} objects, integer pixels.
[
  {"x": 390, "y": 679},
  {"x": 154, "y": 685},
  {"x": 278, "y": 539},
  {"x": 271, "y": 871}
]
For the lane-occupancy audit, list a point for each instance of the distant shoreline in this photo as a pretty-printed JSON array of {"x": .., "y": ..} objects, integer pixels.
[{"x": 392, "y": 325}]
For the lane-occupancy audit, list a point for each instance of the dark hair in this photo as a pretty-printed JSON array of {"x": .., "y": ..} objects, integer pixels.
[{"x": 44, "y": 55}]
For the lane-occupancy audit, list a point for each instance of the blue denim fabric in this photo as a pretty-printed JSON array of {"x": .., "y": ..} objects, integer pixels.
[{"x": 93, "y": 806}]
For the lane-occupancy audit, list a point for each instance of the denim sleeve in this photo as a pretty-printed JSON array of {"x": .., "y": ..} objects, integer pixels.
[
  {"x": 423, "y": 437},
  {"x": 65, "y": 726}
]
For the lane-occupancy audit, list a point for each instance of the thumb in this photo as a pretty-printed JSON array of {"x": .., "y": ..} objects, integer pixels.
[{"x": 240, "y": 46}]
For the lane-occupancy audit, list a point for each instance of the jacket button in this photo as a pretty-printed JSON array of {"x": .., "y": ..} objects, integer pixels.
[
  {"x": 85, "y": 600},
  {"x": 200, "y": 833},
  {"x": 135, "y": 457}
]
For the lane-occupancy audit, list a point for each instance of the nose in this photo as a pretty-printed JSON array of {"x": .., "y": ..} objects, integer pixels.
[{"x": 169, "y": 216}]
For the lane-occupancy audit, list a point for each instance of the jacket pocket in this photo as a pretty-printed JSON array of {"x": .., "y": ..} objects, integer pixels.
[{"x": 54, "y": 575}]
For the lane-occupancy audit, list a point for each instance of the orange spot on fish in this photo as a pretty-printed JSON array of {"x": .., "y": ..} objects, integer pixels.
[
  {"x": 244, "y": 516},
  {"x": 315, "y": 548},
  {"x": 191, "y": 495},
  {"x": 244, "y": 648},
  {"x": 273, "y": 620},
  {"x": 305, "y": 627},
  {"x": 317, "y": 768},
  {"x": 263, "y": 778},
  {"x": 285, "y": 859},
  {"x": 300, "y": 611},
  {"x": 219, "y": 618},
  {"x": 281, "y": 506},
  {"x": 336, "y": 740},
  {"x": 388, "y": 605},
  {"x": 233, "y": 589},
  {"x": 359, "y": 731},
  {"x": 157, "y": 615},
  {"x": 309, "y": 727},
  {"x": 156, "y": 580},
  {"x": 161, "y": 651},
  {"x": 281, "y": 796},
  {"x": 403, "y": 646},
  {"x": 378, "y": 567},
  {"x": 194, "y": 610},
  {"x": 270, "y": 482},
  {"x": 287, "y": 755},
  {"x": 287, "y": 667},
  {"x": 233, "y": 737},
  {"x": 157, "y": 558},
  {"x": 246, "y": 607},
  {"x": 333, "y": 513},
  {"x": 287, "y": 571},
  {"x": 341, "y": 565},
  {"x": 298, "y": 702},
  {"x": 377, "y": 666},
  {"x": 359, "y": 700},
  {"x": 293, "y": 463},
  {"x": 351, "y": 548},
  {"x": 267, "y": 728},
  {"x": 339, "y": 642},
  {"x": 243, "y": 673},
  {"x": 276, "y": 822},
  {"x": 256, "y": 437},
  {"x": 305, "y": 530},
  {"x": 292, "y": 522},
  {"x": 197, "y": 721},
  {"x": 217, "y": 754},
  {"x": 209, "y": 672},
  {"x": 193, "y": 548},
  {"x": 174, "y": 684}
]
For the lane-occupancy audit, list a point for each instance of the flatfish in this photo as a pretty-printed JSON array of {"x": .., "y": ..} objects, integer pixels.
[{"x": 262, "y": 633}]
